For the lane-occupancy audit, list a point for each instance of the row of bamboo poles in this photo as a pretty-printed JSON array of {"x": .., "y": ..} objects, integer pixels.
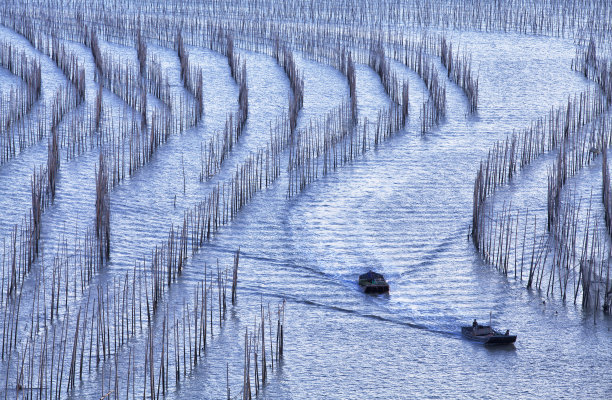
[
  {"x": 460, "y": 71},
  {"x": 431, "y": 113},
  {"x": 191, "y": 76},
  {"x": 19, "y": 102},
  {"x": 132, "y": 145},
  {"x": 309, "y": 20},
  {"x": 163, "y": 22},
  {"x": 255, "y": 348},
  {"x": 69, "y": 96},
  {"x": 25, "y": 237},
  {"x": 607, "y": 204},
  {"x": 259, "y": 170},
  {"x": 345, "y": 64},
  {"x": 54, "y": 351},
  {"x": 221, "y": 144},
  {"x": 157, "y": 271},
  {"x": 519, "y": 150},
  {"x": 75, "y": 132},
  {"x": 76, "y": 129},
  {"x": 70, "y": 65},
  {"x": 132, "y": 82},
  {"x": 335, "y": 141},
  {"x": 579, "y": 132},
  {"x": 595, "y": 68},
  {"x": 284, "y": 57},
  {"x": 28, "y": 70},
  {"x": 102, "y": 224},
  {"x": 25, "y": 248},
  {"x": 433, "y": 110},
  {"x": 413, "y": 52},
  {"x": 399, "y": 94}
]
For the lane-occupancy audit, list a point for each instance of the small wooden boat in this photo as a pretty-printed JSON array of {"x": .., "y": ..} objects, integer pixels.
[
  {"x": 371, "y": 282},
  {"x": 487, "y": 335}
]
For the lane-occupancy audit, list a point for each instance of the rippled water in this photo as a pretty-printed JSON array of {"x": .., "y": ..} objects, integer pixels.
[{"x": 402, "y": 209}]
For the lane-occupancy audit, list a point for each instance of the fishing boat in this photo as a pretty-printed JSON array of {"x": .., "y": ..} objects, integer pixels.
[
  {"x": 372, "y": 282},
  {"x": 487, "y": 335}
]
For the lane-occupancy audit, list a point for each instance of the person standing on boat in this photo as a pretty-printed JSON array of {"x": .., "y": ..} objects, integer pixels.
[{"x": 474, "y": 325}]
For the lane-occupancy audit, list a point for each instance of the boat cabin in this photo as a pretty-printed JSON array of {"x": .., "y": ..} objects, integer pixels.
[{"x": 372, "y": 282}]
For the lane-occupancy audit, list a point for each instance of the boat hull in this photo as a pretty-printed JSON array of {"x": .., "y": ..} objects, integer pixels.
[{"x": 375, "y": 288}]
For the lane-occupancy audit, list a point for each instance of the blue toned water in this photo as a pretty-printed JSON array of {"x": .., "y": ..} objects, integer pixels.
[{"x": 402, "y": 209}]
